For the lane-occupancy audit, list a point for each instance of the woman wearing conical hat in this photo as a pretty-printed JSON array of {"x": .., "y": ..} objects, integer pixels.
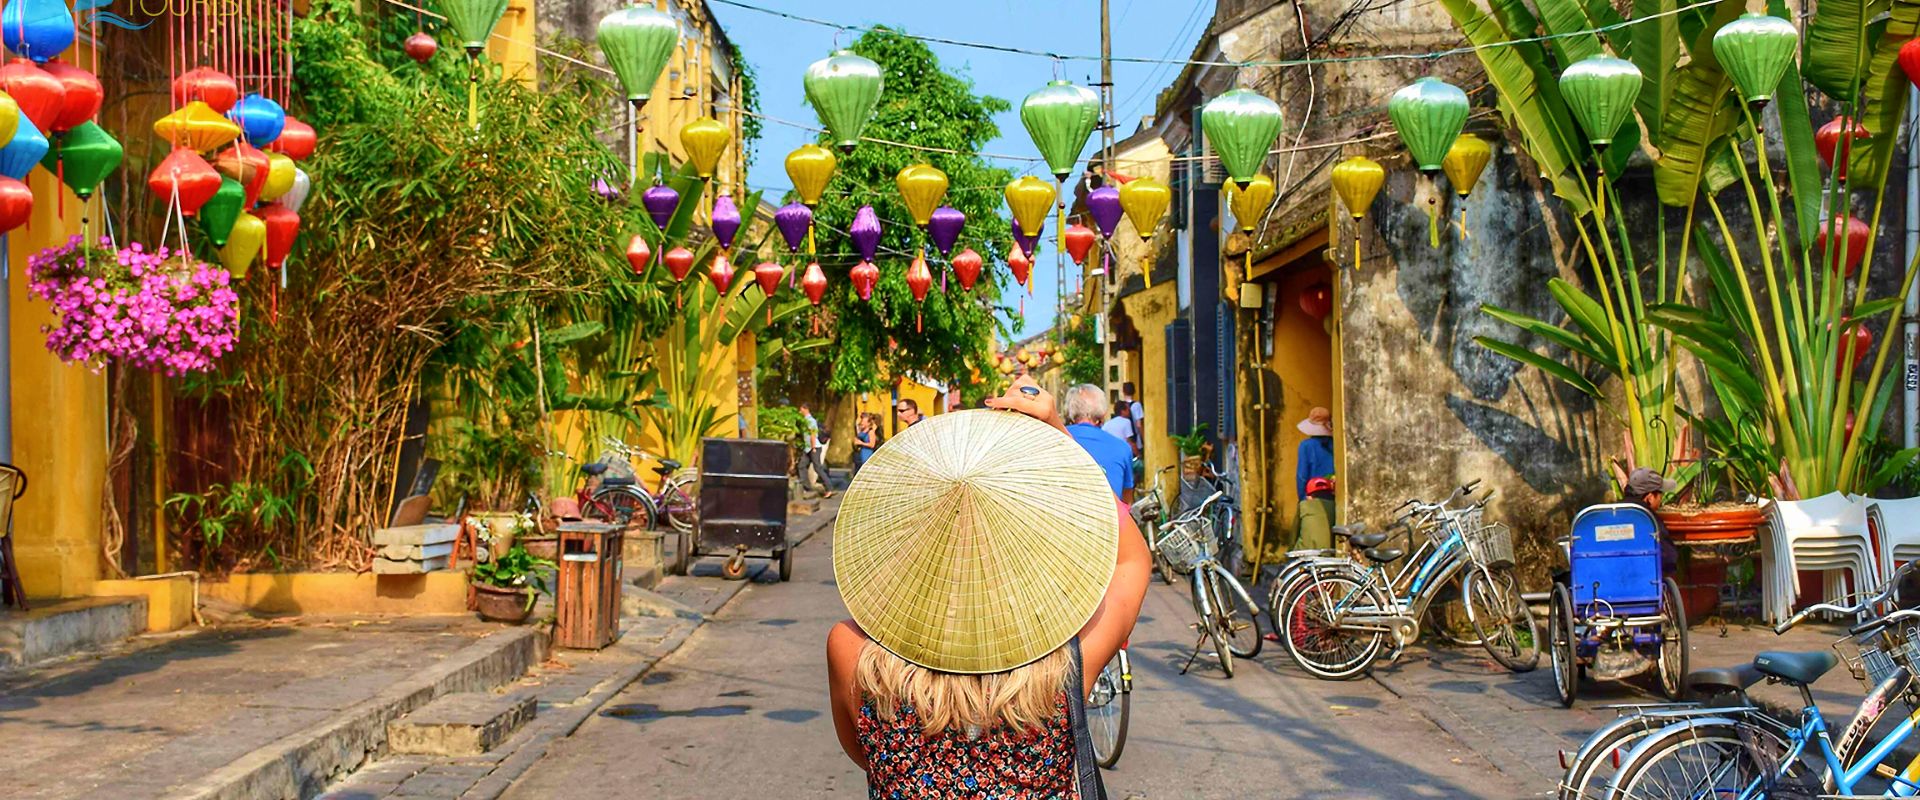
[{"x": 984, "y": 561}]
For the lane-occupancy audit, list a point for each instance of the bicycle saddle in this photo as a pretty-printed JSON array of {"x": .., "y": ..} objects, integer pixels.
[
  {"x": 667, "y": 466},
  {"x": 1723, "y": 680},
  {"x": 1367, "y": 540},
  {"x": 595, "y": 469},
  {"x": 1385, "y": 555},
  {"x": 1349, "y": 531},
  {"x": 617, "y": 481},
  {"x": 1800, "y": 668}
]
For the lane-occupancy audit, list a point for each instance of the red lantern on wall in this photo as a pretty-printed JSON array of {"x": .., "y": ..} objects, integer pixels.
[
  {"x": 1856, "y": 232},
  {"x": 208, "y": 85},
  {"x": 81, "y": 98},
  {"x": 1836, "y": 138},
  {"x": 41, "y": 96},
  {"x": 1317, "y": 300}
]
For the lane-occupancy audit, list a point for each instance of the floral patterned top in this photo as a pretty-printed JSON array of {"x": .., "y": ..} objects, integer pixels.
[{"x": 905, "y": 764}]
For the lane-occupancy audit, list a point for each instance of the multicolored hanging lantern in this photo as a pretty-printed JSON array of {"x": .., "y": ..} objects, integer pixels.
[
  {"x": 197, "y": 127},
  {"x": 793, "y": 220},
  {"x": 1357, "y": 180},
  {"x": 865, "y": 232},
  {"x": 1251, "y": 201},
  {"x": 944, "y": 228},
  {"x": 9, "y": 117},
  {"x": 720, "y": 271},
  {"x": 1855, "y": 232},
  {"x": 1079, "y": 241},
  {"x": 1029, "y": 242},
  {"x": 1145, "y": 201},
  {"x": 216, "y": 89},
  {"x": 1828, "y": 140},
  {"x": 1241, "y": 126},
  {"x": 726, "y": 220},
  {"x": 297, "y": 140},
  {"x": 1464, "y": 162},
  {"x": 1060, "y": 117},
  {"x": 810, "y": 167},
  {"x": 864, "y": 276},
  {"x": 660, "y": 201},
  {"x": 966, "y": 268},
  {"x": 421, "y": 47},
  {"x": 80, "y": 95},
  {"x": 221, "y": 211},
  {"x": 248, "y": 165},
  {"x": 37, "y": 29},
  {"x": 1429, "y": 114},
  {"x": 679, "y": 262},
  {"x": 705, "y": 139},
  {"x": 40, "y": 95},
  {"x": 843, "y": 88},
  {"x": 768, "y": 274},
  {"x": 1020, "y": 266},
  {"x": 922, "y": 186},
  {"x": 639, "y": 254},
  {"x": 183, "y": 173},
  {"x": 244, "y": 244},
  {"x": 1030, "y": 198},
  {"x": 1755, "y": 51},
  {"x": 814, "y": 283},
  {"x": 16, "y": 204},
  {"x": 260, "y": 118},
  {"x": 296, "y": 197},
  {"x": 280, "y": 177},
  {"x": 283, "y": 229},
  {"x": 87, "y": 154},
  {"x": 919, "y": 280},
  {"x": 637, "y": 41},
  {"x": 1104, "y": 206},
  {"x": 25, "y": 150},
  {"x": 1600, "y": 91},
  {"x": 473, "y": 21}
]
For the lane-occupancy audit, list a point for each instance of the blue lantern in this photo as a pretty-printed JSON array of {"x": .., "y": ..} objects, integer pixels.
[
  {"x": 37, "y": 29},
  {"x": 22, "y": 154},
  {"x": 259, "y": 118}
]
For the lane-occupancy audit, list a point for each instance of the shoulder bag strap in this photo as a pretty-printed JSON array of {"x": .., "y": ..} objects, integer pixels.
[{"x": 1086, "y": 768}]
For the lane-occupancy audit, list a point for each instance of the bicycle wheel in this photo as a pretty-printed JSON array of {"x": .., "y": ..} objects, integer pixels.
[
  {"x": 1448, "y": 617},
  {"x": 1673, "y": 644},
  {"x": 1316, "y": 641},
  {"x": 1107, "y": 707},
  {"x": 1151, "y": 532},
  {"x": 1239, "y": 617},
  {"x": 678, "y": 507},
  {"x": 621, "y": 505},
  {"x": 1741, "y": 761},
  {"x": 1590, "y": 776},
  {"x": 1204, "y": 603},
  {"x": 1503, "y": 619}
]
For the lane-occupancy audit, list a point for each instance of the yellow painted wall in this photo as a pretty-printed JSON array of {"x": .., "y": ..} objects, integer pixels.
[
  {"x": 1150, "y": 311},
  {"x": 1303, "y": 361},
  {"x": 169, "y": 600},
  {"x": 513, "y": 42},
  {"x": 344, "y": 593}
]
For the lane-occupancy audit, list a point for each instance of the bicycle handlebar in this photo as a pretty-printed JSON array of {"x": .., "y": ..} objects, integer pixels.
[
  {"x": 1874, "y": 625},
  {"x": 1885, "y": 593}
]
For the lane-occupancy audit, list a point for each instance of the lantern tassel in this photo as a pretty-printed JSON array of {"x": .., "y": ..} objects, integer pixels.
[
  {"x": 1433, "y": 220},
  {"x": 473, "y": 93},
  {"x": 1356, "y": 244},
  {"x": 916, "y": 322}
]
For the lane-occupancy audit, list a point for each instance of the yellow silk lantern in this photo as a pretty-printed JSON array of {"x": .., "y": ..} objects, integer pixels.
[
  {"x": 705, "y": 139},
  {"x": 281, "y": 173},
  {"x": 243, "y": 245},
  {"x": 1030, "y": 198},
  {"x": 196, "y": 126},
  {"x": 9, "y": 117},
  {"x": 810, "y": 166},
  {"x": 922, "y": 186},
  {"x": 1249, "y": 203},
  {"x": 1145, "y": 201},
  {"x": 1357, "y": 180},
  {"x": 1464, "y": 162}
]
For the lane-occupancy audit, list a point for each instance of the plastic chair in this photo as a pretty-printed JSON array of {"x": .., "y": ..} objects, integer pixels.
[
  {"x": 1896, "y": 526},
  {"x": 1827, "y": 534}
]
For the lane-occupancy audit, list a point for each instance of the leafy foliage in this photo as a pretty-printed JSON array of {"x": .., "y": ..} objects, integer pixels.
[{"x": 1081, "y": 358}]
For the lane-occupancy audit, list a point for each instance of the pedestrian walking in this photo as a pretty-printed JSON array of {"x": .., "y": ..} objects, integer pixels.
[
  {"x": 1135, "y": 411},
  {"x": 816, "y": 460},
  {"x": 964, "y": 514},
  {"x": 866, "y": 439},
  {"x": 908, "y": 411},
  {"x": 1121, "y": 426},
  {"x": 1086, "y": 411}
]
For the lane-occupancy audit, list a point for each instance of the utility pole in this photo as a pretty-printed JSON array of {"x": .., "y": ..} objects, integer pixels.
[{"x": 1101, "y": 285}]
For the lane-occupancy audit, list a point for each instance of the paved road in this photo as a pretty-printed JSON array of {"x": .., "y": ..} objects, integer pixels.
[{"x": 740, "y": 711}]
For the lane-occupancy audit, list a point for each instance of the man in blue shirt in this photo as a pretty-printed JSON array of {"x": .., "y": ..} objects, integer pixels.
[{"x": 1086, "y": 409}]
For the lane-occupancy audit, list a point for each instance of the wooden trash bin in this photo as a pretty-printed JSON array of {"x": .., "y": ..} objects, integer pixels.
[{"x": 587, "y": 600}]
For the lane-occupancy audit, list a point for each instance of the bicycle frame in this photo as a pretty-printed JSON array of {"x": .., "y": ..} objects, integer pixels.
[{"x": 1440, "y": 560}]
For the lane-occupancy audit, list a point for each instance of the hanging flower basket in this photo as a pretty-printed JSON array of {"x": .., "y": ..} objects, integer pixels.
[{"x": 157, "y": 311}]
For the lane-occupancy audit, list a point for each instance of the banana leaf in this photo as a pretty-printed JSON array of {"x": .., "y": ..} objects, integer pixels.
[
  {"x": 1803, "y": 165},
  {"x": 1836, "y": 53},
  {"x": 1883, "y": 95},
  {"x": 1604, "y": 16},
  {"x": 1655, "y": 50},
  {"x": 1701, "y": 114},
  {"x": 1874, "y": 308},
  {"x": 1529, "y": 97},
  {"x": 1557, "y": 370},
  {"x": 1568, "y": 23},
  {"x": 1586, "y": 312},
  {"x": 1553, "y": 333}
]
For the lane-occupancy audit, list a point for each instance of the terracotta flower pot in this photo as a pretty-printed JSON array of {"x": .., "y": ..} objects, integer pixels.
[
  {"x": 1711, "y": 524},
  {"x": 545, "y": 546},
  {"x": 502, "y": 604}
]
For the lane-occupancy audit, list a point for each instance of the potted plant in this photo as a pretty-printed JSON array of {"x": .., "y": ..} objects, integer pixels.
[
  {"x": 506, "y": 587},
  {"x": 1192, "y": 446}
]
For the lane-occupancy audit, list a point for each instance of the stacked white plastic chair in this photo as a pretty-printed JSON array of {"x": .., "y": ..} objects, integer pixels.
[
  {"x": 1826, "y": 534},
  {"x": 1897, "y": 525}
]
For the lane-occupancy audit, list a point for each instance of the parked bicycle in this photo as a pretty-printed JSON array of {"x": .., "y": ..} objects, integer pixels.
[
  {"x": 1336, "y": 619},
  {"x": 1108, "y": 706},
  {"x": 610, "y": 492},
  {"x": 1228, "y": 615},
  {"x": 1152, "y": 513}
]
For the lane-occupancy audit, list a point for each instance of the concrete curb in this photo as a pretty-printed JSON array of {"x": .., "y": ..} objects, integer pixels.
[{"x": 303, "y": 763}]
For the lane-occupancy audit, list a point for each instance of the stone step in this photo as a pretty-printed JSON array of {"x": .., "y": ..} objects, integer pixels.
[
  {"x": 416, "y": 552},
  {"x": 55, "y": 628},
  {"x": 464, "y": 724},
  {"x": 435, "y": 533},
  {"x": 387, "y": 566}
]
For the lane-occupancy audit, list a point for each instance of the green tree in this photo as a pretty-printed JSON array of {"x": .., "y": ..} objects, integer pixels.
[
  {"x": 1080, "y": 355},
  {"x": 925, "y": 105}
]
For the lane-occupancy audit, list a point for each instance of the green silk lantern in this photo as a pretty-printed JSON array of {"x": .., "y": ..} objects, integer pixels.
[
  {"x": 637, "y": 41},
  {"x": 222, "y": 211},
  {"x": 1755, "y": 51},
  {"x": 843, "y": 88},
  {"x": 1429, "y": 115},
  {"x": 1060, "y": 117},
  {"x": 1600, "y": 91},
  {"x": 1241, "y": 126},
  {"x": 473, "y": 21},
  {"x": 87, "y": 154}
]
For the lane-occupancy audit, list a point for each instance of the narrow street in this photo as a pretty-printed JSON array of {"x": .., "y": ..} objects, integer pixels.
[{"x": 741, "y": 709}]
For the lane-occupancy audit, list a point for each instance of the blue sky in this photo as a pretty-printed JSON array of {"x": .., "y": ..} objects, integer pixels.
[{"x": 780, "y": 50}]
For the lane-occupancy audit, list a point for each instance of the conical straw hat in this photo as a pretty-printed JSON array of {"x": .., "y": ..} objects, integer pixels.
[{"x": 976, "y": 542}]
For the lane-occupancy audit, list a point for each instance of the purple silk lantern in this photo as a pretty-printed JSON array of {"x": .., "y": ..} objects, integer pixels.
[
  {"x": 1027, "y": 243},
  {"x": 726, "y": 220},
  {"x": 660, "y": 201},
  {"x": 794, "y": 219},
  {"x": 605, "y": 190},
  {"x": 945, "y": 227},
  {"x": 865, "y": 232},
  {"x": 1104, "y": 203}
]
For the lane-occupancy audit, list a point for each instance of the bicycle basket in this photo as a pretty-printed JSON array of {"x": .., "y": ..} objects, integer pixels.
[
  {"x": 1487, "y": 544},
  {"x": 1867, "y": 658},
  {"x": 1187, "y": 542}
]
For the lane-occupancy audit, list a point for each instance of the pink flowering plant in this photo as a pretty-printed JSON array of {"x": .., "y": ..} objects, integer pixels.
[{"x": 158, "y": 311}]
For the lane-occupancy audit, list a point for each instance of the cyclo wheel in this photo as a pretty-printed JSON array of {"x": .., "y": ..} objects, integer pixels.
[
  {"x": 1107, "y": 708},
  {"x": 1239, "y": 616},
  {"x": 1739, "y": 757},
  {"x": 1563, "y": 651},
  {"x": 1501, "y": 617},
  {"x": 1319, "y": 644},
  {"x": 1674, "y": 651}
]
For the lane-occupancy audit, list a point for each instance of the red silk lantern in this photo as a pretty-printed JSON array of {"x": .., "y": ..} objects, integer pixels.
[
  {"x": 1856, "y": 232},
  {"x": 41, "y": 96},
  {"x": 1862, "y": 342},
  {"x": 679, "y": 262},
  {"x": 1849, "y": 425},
  {"x": 1909, "y": 59},
  {"x": 814, "y": 283},
  {"x": 208, "y": 85},
  {"x": 864, "y": 276},
  {"x": 81, "y": 95},
  {"x": 185, "y": 172},
  {"x": 1317, "y": 300},
  {"x": 720, "y": 272},
  {"x": 296, "y": 140},
  {"x": 919, "y": 280},
  {"x": 1079, "y": 241},
  {"x": 1827, "y": 141},
  {"x": 639, "y": 254},
  {"x": 16, "y": 204},
  {"x": 421, "y": 47},
  {"x": 1019, "y": 265},
  {"x": 283, "y": 227},
  {"x": 768, "y": 275},
  {"x": 966, "y": 267}
]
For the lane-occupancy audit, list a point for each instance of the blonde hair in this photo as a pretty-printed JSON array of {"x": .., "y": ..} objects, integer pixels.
[{"x": 1019, "y": 699}]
